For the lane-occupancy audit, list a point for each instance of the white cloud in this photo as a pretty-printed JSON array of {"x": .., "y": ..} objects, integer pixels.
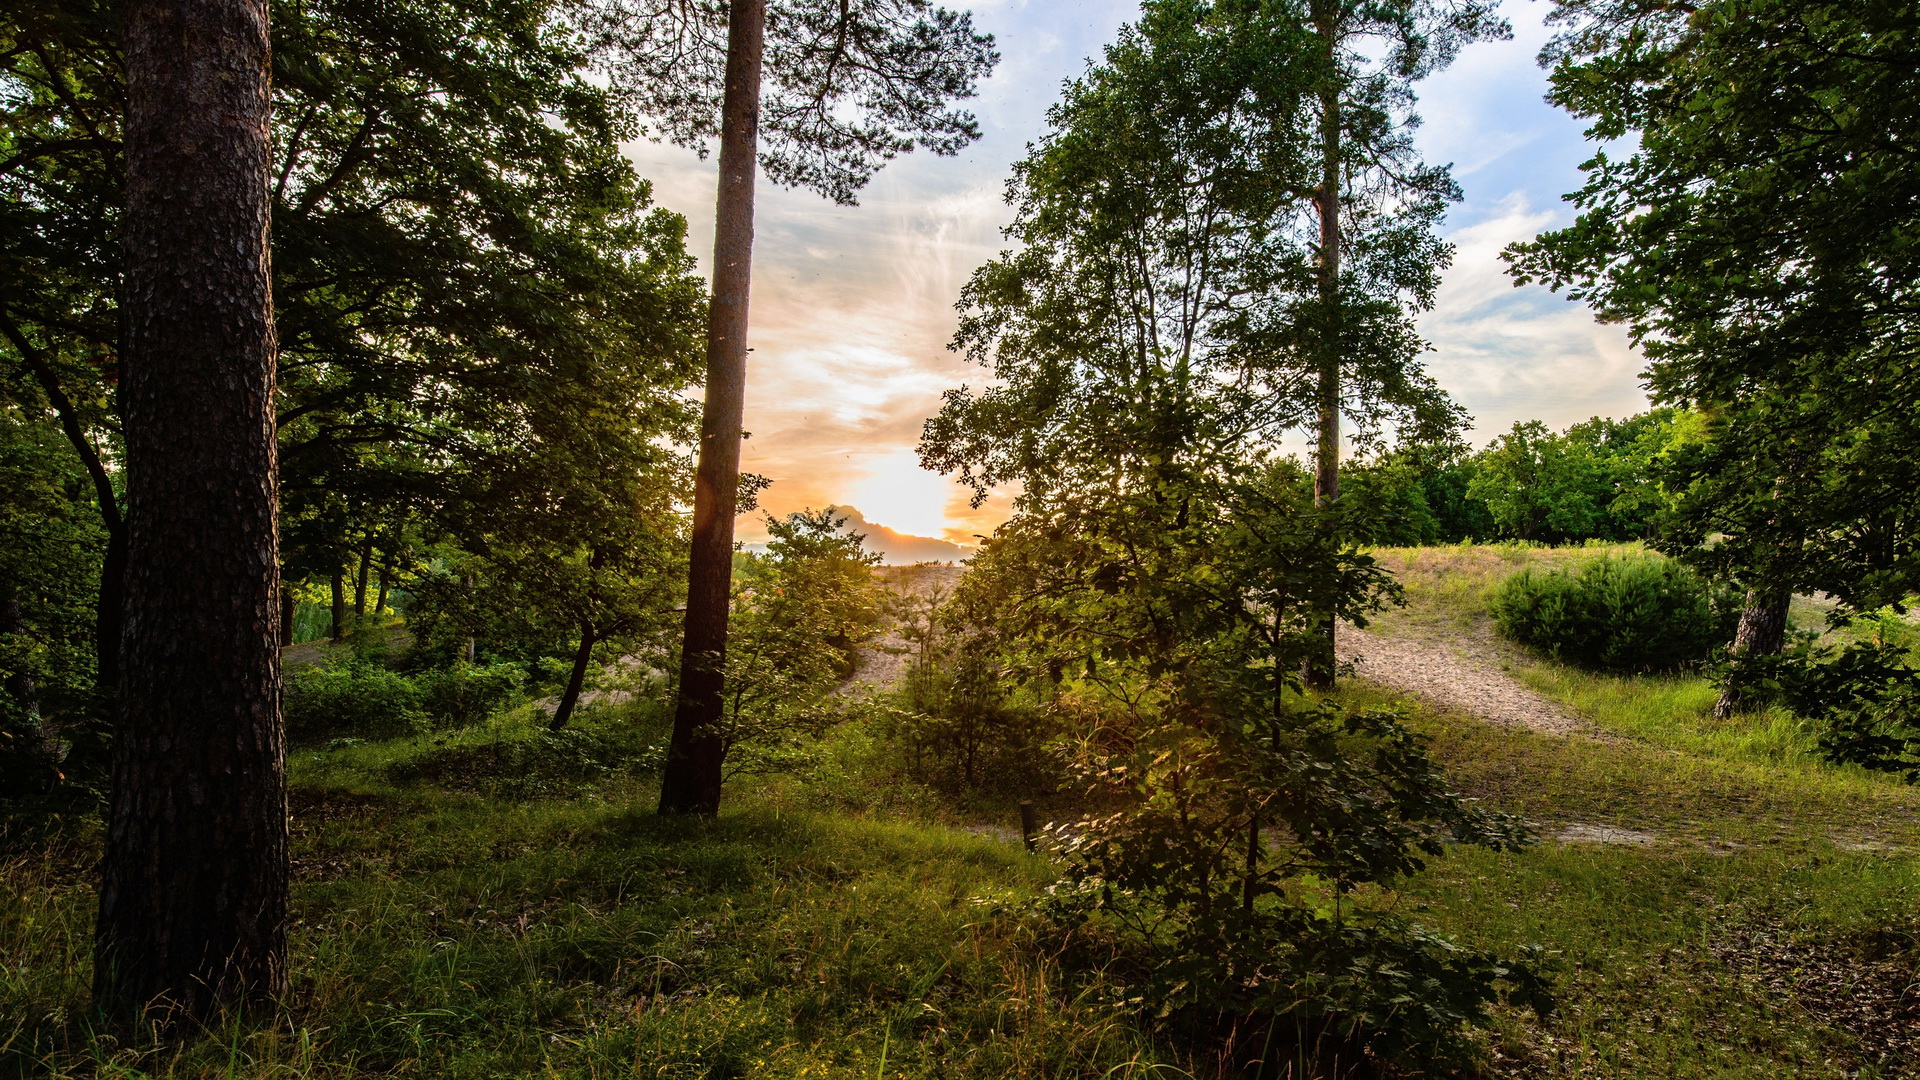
[{"x": 1517, "y": 354}]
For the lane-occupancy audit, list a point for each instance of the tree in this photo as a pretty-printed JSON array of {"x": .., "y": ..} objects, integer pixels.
[
  {"x": 193, "y": 889},
  {"x": 468, "y": 276},
  {"x": 799, "y": 615},
  {"x": 1758, "y": 244},
  {"x": 1165, "y": 574},
  {"x": 1377, "y": 261},
  {"x": 850, "y": 87}
]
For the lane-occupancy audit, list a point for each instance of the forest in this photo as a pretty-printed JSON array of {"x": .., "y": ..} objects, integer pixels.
[{"x": 388, "y": 686}]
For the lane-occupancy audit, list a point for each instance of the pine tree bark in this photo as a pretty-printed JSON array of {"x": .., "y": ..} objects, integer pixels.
[
  {"x": 193, "y": 891},
  {"x": 690, "y": 781},
  {"x": 1319, "y": 671},
  {"x": 1762, "y": 632}
]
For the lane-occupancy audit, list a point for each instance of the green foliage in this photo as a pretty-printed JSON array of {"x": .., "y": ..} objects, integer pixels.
[
  {"x": 1230, "y": 875},
  {"x": 485, "y": 328},
  {"x": 357, "y": 697},
  {"x": 1865, "y": 697},
  {"x": 1757, "y": 238},
  {"x": 1591, "y": 482},
  {"x": 1615, "y": 614},
  {"x": 800, "y": 613},
  {"x": 50, "y": 549}
]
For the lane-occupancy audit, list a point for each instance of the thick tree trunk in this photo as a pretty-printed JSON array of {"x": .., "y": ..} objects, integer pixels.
[
  {"x": 582, "y": 657},
  {"x": 109, "y": 607},
  {"x": 193, "y": 891},
  {"x": 1762, "y": 632},
  {"x": 690, "y": 782},
  {"x": 1326, "y": 456},
  {"x": 339, "y": 628}
]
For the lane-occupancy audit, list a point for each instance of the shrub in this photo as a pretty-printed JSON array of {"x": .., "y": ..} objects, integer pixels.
[
  {"x": 1865, "y": 698},
  {"x": 465, "y": 694},
  {"x": 351, "y": 697},
  {"x": 1615, "y": 614},
  {"x": 361, "y": 698},
  {"x": 1225, "y": 881}
]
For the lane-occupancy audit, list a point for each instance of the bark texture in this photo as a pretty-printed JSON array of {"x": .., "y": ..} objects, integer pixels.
[
  {"x": 193, "y": 889},
  {"x": 690, "y": 783},
  {"x": 1762, "y": 632},
  {"x": 1319, "y": 671}
]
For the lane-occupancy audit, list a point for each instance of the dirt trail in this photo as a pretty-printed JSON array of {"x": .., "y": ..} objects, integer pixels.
[{"x": 1460, "y": 673}]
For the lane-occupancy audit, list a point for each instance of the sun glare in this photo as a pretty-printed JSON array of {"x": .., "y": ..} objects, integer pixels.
[{"x": 896, "y": 492}]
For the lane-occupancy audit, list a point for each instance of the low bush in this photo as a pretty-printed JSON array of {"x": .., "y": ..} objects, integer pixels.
[
  {"x": 360, "y": 698},
  {"x": 354, "y": 698},
  {"x": 465, "y": 694},
  {"x": 1616, "y": 614}
]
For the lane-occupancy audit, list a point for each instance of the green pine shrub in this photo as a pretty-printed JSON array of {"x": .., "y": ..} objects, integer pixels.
[{"x": 1636, "y": 614}]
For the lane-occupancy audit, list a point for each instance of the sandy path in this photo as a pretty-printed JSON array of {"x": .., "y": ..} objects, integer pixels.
[{"x": 1462, "y": 674}]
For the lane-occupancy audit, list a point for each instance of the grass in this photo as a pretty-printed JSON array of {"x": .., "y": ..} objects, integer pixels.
[
  {"x": 501, "y": 903},
  {"x": 446, "y": 935}
]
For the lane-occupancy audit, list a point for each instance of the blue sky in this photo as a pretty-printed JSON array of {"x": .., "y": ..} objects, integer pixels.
[{"x": 853, "y": 306}]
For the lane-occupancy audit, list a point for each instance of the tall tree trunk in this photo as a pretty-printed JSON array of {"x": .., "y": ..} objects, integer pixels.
[
  {"x": 286, "y": 615},
  {"x": 1326, "y": 456},
  {"x": 361, "y": 573},
  {"x": 1762, "y": 632},
  {"x": 109, "y": 607},
  {"x": 690, "y": 782},
  {"x": 386, "y": 574},
  {"x": 193, "y": 890},
  {"x": 339, "y": 628},
  {"x": 582, "y": 657}
]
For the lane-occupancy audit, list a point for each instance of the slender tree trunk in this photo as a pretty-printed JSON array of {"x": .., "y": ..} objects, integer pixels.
[
  {"x": 109, "y": 608},
  {"x": 690, "y": 783},
  {"x": 339, "y": 628},
  {"x": 582, "y": 658},
  {"x": 361, "y": 573},
  {"x": 1326, "y": 457},
  {"x": 386, "y": 574},
  {"x": 193, "y": 891},
  {"x": 1762, "y": 632},
  {"x": 286, "y": 615}
]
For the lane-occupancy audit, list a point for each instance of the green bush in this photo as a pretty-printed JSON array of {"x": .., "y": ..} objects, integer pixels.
[
  {"x": 351, "y": 698},
  {"x": 465, "y": 694},
  {"x": 1615, "y": 614},
  {"x": 362, "y": 698}
]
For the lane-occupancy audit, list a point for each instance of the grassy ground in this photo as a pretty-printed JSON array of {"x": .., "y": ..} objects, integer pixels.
[
  {"x": 499, "y": 903},
  {"x": 1757, "y": 913}
]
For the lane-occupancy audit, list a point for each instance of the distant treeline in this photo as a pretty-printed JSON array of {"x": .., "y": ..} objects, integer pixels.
[{"x": 1593, "y": 481}]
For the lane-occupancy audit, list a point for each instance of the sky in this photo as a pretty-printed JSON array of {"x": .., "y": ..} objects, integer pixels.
[{"x": 852, "y": 307}]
